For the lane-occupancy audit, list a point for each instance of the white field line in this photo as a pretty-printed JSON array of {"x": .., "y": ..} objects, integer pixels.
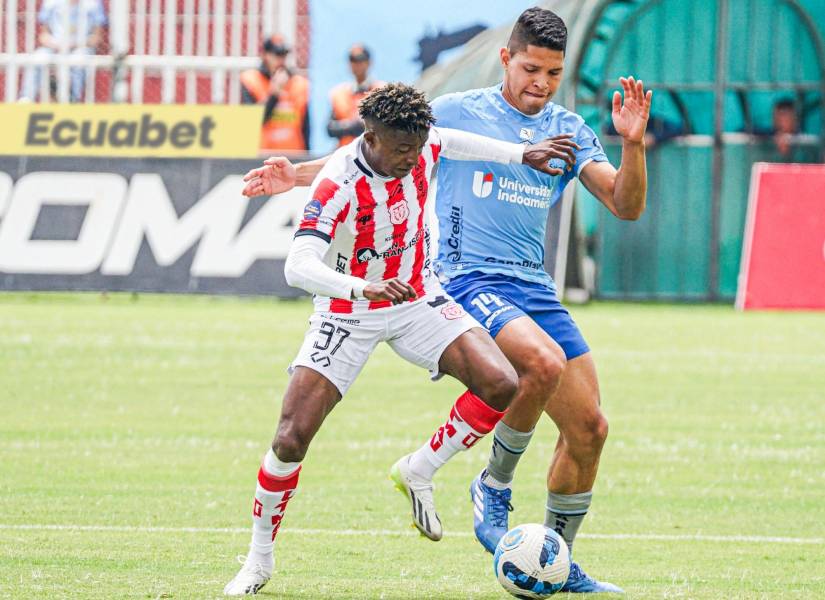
[{"x": 392, "y": 532}]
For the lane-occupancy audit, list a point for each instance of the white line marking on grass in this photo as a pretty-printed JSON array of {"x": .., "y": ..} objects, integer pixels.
[{"x": 699, "y": 537}]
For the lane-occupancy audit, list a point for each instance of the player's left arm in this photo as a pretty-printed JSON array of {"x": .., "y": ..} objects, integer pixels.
[
  {"x": 624, "y": 191},
  {"x": 463, "y": 145}
]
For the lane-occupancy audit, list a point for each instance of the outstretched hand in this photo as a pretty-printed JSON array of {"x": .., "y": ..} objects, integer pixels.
[
  {"x": 630, "y": 117},
  {"x": 560, "y": 146},
  {"x": 276, "y": 176}
]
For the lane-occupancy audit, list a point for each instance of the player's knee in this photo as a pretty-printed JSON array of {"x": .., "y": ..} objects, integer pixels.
[
  {"x": 544, "y": 369},
  {"x": 500, "y": 386},
  {"x": 591, "y": 432},
  {"x": 289, "y": 445}
]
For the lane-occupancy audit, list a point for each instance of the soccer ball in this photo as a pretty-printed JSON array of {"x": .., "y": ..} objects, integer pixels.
[{"x": 531, "y": 561}]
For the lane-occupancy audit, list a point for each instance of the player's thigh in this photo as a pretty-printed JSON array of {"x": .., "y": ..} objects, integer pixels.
[
  {"x": 421, "y": 332},
  {"x": 575, "y": 408},
  {"x": 500, "y": 304},
  {"x": 338, "y": 346},
  {"x": 474, "y": 359},
  {"x": 309, "y": 398},
  {"x": 531, "y": 350}
]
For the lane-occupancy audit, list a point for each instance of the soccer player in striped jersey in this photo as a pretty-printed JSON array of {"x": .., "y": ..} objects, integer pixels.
[
  {"x": 362, "y": 250},
  {"x": 492, "y": 221}
]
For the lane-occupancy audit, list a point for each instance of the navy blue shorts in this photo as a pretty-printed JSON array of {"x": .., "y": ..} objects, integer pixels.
[{"x": 495, "y": 300}]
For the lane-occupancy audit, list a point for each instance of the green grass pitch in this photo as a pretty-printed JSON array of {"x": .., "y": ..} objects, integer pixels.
[{"x": 132, "y": 428}]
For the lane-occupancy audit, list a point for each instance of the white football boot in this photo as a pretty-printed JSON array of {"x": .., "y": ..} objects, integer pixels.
[
  {"x": 419, "y": 492},
  {"x": 251, "y": 578}
]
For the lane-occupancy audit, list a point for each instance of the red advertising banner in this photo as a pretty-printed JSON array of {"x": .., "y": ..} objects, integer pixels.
[{"x": 783, "y": 255}]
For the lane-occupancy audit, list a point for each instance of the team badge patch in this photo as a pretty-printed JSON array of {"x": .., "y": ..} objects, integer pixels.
[
  {"x": 399, "y": 212},
  {"x": 452, "y": 311},
  {"x": 312, "y": 210}
]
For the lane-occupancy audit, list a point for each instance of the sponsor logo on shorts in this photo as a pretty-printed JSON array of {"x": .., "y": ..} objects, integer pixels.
[
  {"x": 342, "y": 320},
  {"x": 488, "y": 322},
  {"x": 439, "y": 300}
]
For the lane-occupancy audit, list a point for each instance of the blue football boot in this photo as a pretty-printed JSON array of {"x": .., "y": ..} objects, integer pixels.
[
  {"x": 490, "y": 512},
  {"x": 578, "y": 582}
]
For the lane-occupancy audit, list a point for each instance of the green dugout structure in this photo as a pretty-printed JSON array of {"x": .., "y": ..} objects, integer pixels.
[{"x": 717, "y": 68}]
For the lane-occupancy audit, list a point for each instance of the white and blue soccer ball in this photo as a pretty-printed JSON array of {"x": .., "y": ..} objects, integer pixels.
[{"x": 531, "y": 561}]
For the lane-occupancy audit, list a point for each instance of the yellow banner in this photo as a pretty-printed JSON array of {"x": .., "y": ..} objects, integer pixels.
[{"x": 144, "y": 130}]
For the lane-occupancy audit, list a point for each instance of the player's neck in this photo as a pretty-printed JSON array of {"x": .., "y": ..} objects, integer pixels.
[{"x": 370, "y": 159}]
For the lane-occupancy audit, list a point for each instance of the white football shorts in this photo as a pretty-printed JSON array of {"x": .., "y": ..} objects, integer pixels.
[{"x": 338, "y": 345}]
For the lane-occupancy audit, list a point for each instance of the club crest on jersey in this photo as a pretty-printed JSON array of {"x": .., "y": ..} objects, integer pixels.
[
  {"x": 399, "y": 212},
  {"x": 452, "y": 311},
  {"x": 482, "y": 184},
  {"x": 526, "y": 134}
]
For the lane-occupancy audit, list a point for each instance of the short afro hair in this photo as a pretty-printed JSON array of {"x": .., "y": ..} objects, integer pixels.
[
  {"x": 397, "y": 106},
  {"x": 538, "y": 27}
]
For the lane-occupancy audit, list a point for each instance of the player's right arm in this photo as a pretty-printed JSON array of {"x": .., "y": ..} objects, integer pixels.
[
  {"x": 305, "y": 268},
  {"x": 278, "y": 175}
]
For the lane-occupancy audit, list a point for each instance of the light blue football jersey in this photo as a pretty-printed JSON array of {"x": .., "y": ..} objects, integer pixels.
[{"x": 492, "y": 217}]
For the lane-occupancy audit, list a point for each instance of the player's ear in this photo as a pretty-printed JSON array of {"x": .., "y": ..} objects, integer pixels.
[
  {"x": 504, "y": 55},
  {"x": 369, "y": 137}
]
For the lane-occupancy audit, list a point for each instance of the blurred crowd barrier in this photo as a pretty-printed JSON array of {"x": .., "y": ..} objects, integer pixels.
[{"x": 140, "y": 51}]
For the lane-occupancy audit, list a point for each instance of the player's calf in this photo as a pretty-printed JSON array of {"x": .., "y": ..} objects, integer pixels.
[
  {"x": 470, "y": 419},
  {"x": 277, "y": 484}
]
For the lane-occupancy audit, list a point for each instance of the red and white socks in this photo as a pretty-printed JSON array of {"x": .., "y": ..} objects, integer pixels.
[
  {"x": 470, "y": 420},
  {"x": 277, "y": 483}
]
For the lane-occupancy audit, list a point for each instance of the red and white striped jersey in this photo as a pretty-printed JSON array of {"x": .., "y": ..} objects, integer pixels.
[{"x": 375, "y": 225}]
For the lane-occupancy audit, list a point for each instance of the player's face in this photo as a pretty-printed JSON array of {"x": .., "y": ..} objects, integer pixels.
[
  {"x": 531, "y": 77},
  {"x": 394, "y": 153}
]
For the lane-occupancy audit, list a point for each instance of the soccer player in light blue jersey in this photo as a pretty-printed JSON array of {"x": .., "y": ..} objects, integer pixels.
[{"x": 492, "y": 221}]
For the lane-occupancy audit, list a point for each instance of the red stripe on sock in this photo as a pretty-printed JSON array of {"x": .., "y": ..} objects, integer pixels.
[
  {"x": 273, "y": 483},
  {"x": 476, "y": 413}
]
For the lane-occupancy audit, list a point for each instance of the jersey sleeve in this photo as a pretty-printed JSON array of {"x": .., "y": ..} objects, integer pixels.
[
  {"x": 305, "y": 269},
  {"x": 327, "y": 207},
  {"x": 463, "y": 145},
  {"x": 591, "y": 147},
  {"x": 591, "y": 150}
]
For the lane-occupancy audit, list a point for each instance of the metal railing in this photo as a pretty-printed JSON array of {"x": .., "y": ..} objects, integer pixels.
[{"x": 168, "y": 50}]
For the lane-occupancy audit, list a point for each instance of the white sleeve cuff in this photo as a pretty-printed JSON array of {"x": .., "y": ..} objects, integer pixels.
[
  {"x": 463, "y": 145},
  {"x": 358, "y": 288}
]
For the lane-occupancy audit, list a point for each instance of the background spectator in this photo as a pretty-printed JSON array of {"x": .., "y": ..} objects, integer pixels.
[
  {"x": 785, "y": 125},
  {"x": 285, "y": 96},
  {"x": 344, "y": 123},
  {"x": 85, "y": 20}
]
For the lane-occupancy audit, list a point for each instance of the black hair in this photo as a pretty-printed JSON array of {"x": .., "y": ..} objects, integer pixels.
[
  {"x": 785, "y": 104},
  {"x": 538, "y": 27},
  {"x": 397, "y": 106}
]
